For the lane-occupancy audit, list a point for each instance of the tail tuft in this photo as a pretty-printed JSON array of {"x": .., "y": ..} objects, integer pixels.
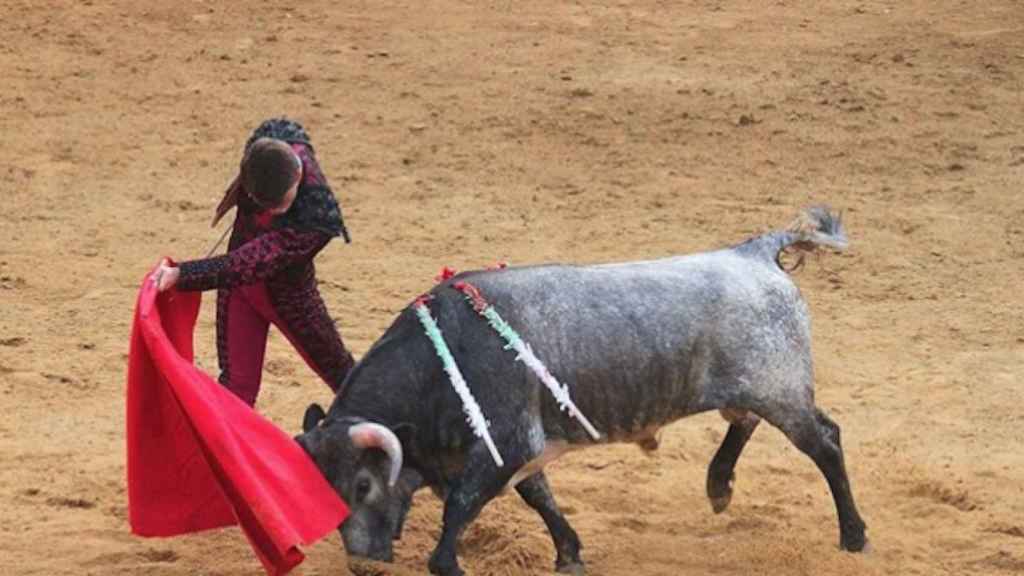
[
  {"x": 818, "y": 226},
  {"x": 815, "y": 227}
]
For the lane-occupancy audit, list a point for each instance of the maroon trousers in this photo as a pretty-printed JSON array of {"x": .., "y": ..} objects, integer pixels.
[{"x": 244, "y": 316}]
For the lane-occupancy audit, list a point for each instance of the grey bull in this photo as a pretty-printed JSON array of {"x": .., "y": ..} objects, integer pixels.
[{"x": 639, "y": 345}]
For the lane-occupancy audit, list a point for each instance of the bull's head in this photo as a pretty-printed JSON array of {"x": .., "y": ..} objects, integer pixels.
[{"x": 363, "y": 462}]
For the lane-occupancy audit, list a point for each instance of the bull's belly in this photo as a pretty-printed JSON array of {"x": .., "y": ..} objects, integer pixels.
[
  {"x": 646, "y": 438},
  {"x": 623, "y": 422},
  {"x": 553, "y": 449}
]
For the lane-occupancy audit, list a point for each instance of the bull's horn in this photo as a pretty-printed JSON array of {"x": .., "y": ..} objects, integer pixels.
[{"x": 370, "y": 435}]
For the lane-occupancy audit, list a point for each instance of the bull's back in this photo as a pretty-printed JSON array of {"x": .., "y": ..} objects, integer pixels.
[{"x": 641, "y": 344}]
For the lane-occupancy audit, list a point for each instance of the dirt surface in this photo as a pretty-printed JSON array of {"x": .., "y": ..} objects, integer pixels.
[{"x": 462, "y": 133}]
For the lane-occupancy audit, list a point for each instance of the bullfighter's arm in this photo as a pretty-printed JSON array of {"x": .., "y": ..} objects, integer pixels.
[{"x": 253, "y": 261}]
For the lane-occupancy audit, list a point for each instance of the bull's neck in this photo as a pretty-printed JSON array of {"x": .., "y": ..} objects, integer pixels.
[
  {"x": 380, "y": 393},
  {"x": 391, "y": 384},
  {"x": 390, "y": 410}
]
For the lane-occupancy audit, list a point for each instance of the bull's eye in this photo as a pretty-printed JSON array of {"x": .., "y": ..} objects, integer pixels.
[{"x": 362, "y": 489}]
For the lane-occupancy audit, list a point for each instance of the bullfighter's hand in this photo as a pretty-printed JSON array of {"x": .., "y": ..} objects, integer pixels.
[{"x": 165, "y": 276}]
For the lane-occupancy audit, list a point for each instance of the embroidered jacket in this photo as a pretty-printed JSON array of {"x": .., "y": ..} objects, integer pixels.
[{"x": 278, "y": 248}]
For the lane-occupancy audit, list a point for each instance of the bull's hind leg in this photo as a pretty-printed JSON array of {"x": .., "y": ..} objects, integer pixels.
[
  {"x": 816, "y": 435},
  {"x": 721, "y": 471},
  {"x": 536, "y": 492}
]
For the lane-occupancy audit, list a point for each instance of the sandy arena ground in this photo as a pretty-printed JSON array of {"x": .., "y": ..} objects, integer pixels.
[{"x": 461, "y": 133}]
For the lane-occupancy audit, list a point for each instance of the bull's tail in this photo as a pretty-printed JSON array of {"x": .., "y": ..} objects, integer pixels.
[{"x": 815, "y": 227}]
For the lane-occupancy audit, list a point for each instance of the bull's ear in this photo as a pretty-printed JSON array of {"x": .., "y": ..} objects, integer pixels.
[{"x": 314, "y": 414}]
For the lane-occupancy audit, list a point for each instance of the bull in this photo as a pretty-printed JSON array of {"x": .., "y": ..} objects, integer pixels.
[{"x": 639, "y": 345}]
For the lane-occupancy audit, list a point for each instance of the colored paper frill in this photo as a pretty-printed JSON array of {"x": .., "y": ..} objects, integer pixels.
[
  {"x": 474, "y": 415},
  {"x": 525, "y": 355}
]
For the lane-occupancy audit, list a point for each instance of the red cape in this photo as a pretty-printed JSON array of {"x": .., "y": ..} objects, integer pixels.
[{"x": 200, "y": 458}]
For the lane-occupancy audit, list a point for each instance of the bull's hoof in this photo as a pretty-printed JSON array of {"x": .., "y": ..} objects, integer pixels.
[
  {"x": 720, "y": 492},
  {"x": 573, "y": 568},
  {"x": 366, "y": 567},
  {"x": 856, "y": 544},
  {"x": 720, "y": 489},
  {"x": 456, "y": 571},
  {"x": 720, "y": 503},
  {"x": 437, "y": 568}
]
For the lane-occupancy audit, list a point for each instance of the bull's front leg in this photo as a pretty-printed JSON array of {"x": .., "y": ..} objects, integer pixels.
[
  {"x": 481, "y": 481},
  {"x": 536, "y": 492}
]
